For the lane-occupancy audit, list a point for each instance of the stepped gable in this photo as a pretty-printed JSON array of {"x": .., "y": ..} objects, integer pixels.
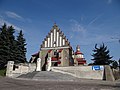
[{"x": 55, "y": 38}]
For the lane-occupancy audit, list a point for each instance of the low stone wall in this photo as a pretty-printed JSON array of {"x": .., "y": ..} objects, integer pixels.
[
  {"x": 14, "y": 70},
  {"x": 116, "y": 73},
  {"x": 86, "y": 72}
]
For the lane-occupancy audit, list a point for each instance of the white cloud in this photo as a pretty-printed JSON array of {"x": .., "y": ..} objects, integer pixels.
[
  {"x": 14, "y": 15},
  {"x": 81, "y": 34},
  {"x": 2, "y": 21},
  {"x": 95, "y": 19},
  {"x": 91, "y": 40},
  {"x": 109, "y": 1},
  {"x": 76, "y": 27},
  {"x": 28, "y": 20}
]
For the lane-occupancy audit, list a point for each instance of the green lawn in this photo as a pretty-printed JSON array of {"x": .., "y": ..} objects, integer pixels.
[{"x": 2, "y": 72}]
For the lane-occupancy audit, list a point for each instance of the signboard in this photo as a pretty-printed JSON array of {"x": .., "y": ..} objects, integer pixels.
[{"x": 97, "y": 67}]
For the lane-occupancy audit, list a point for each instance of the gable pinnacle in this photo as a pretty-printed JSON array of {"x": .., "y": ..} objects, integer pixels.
[{"x": 55, "y": 26}]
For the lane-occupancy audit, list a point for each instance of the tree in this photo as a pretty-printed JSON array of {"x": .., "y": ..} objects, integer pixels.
[
  {"x": 4, "y": 49},
  {"x": 114, "y": 64},
  {"x": 7, "y": 44},
  {"x": 21, "y": 50},
  {"x": 101, "y": 55},
  {"x": 10, "y": 48},
  {"x": 12, "y": 43}
]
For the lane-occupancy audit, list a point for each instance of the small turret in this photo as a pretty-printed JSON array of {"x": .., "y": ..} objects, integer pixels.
[
  {"x": 78, "y": 53},
  {"x": 78, "y": 48},
  {"x": 79, "y": 58}
]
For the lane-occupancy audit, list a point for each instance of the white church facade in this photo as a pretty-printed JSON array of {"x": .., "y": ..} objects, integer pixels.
[{"x": 57, "y": 46}]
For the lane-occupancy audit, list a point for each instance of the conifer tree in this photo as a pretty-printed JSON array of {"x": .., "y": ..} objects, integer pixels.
[
  {"x": 101, "y": 55},
  {"x": 10, "y": 48},
  {"x": 4, "y": 48},
  {"x": 21, "y": 50},
  {"x": 7, "y": 44},
  {"x": 114, "y": 64},
  {"x": 12, "y": 43}
]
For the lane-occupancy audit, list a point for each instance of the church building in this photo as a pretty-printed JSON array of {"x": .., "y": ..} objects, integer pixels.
[{"x": 57, "y": 46}]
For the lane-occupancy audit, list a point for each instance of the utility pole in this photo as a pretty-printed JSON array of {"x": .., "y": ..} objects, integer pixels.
[
  {"x": 116, "y": 39},
  {"x": 119, "y": 64},
  {"x": 119, "y": 58}
]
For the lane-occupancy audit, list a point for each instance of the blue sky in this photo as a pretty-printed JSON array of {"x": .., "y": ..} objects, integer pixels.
[{"x": 84, "y": 22}]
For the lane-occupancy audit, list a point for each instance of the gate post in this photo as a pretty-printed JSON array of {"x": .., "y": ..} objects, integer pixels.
[
  {"x": 9, "y": 71},
  {"x": 38, "y": 67},
  {"x": 49, "y": 64}
]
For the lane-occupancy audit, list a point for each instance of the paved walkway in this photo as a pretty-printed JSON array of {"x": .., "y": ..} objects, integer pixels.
[
  {"x": 56, "y": 76},
  {"x": 55, "y": 81},
  {"x": 48, "y": 76}
]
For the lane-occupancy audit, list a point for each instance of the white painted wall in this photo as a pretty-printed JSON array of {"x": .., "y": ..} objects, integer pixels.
[
  {"x": 54, "y": 34},
  {"x": 63, "y": 41},
  {"x": 45, "y": 43},
  {"x": 79, "y": 56},
  {"x": 51, "y": 40},
  {"x": 48, "y": 42},
  {"x": 57, "y": 38},
  {"x": 60, "y": 40}
]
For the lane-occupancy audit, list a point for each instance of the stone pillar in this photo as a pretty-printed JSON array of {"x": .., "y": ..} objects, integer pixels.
[
  {"x": 38, "y": 68},
  {"x": 108, "y": 73},
  {"x": 49, "y": 64},
  {"x": 9, "y": 68}
]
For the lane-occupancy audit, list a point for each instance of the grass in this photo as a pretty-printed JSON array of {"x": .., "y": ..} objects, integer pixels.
[{"x": 2, "y": 72}]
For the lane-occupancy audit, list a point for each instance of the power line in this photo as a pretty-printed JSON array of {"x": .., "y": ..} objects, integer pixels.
[{"x": 94, "y": 43}]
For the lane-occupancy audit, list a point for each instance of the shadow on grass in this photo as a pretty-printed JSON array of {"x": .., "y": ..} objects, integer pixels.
[{"x": 3, "y": 72}]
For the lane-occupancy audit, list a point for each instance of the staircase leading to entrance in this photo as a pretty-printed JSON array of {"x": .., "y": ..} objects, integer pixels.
[
  {"x": 29, "y": 75},
  {"x": 48, "y": 76}
]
